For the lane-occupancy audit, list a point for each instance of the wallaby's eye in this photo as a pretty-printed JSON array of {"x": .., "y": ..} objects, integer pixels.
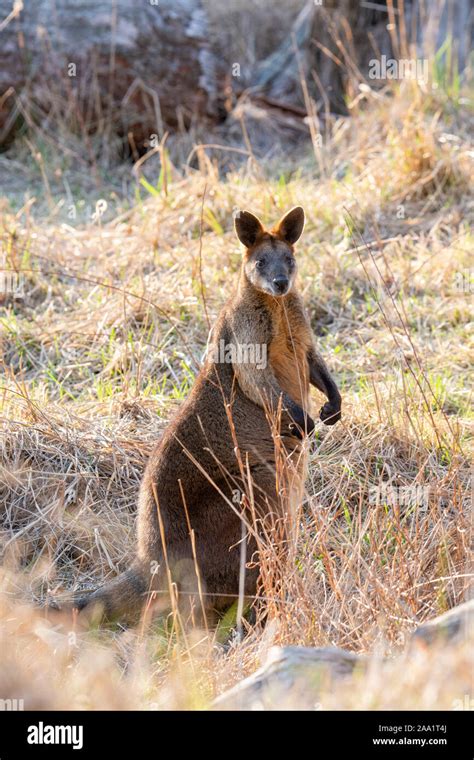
[
  {"x": 290, "y": 262},
  {"x": 259, "y": 264}
]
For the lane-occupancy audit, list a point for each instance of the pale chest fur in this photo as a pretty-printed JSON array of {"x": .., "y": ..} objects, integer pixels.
[{"x": 288, "y": 353}]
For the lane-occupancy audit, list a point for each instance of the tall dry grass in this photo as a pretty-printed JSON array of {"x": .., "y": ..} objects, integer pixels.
[{"x": 106, "y": 341}]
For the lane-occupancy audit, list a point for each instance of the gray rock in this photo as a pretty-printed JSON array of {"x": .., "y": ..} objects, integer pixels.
[
  {"x": 450, "y": 626},
  {"x": 290, "y": 679}
]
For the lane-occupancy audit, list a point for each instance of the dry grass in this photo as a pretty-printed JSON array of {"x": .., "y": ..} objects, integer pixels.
[{"x": 107, "y": 340}]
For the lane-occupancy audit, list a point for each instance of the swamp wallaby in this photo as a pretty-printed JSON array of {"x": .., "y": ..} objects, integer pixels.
[{"x": 249, "y": 401}]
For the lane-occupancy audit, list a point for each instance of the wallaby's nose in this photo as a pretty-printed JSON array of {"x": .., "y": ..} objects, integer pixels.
[{"x": 280, "y": 283}]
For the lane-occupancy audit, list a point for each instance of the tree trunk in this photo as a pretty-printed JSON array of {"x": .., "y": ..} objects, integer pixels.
[{"x": 332, "y": 43}]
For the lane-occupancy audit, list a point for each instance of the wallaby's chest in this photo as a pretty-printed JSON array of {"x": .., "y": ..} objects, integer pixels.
[{"x": 288, "y": 351}]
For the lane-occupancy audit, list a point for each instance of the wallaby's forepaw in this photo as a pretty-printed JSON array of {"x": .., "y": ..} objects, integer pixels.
[
  {"x": 330, "y": 414},
  {"x": 301, "y": 425},
  {"x": 80, "y": 602}
]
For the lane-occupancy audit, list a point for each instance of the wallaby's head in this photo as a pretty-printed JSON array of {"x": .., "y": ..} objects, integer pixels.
[{"x": 269, "y": 263}]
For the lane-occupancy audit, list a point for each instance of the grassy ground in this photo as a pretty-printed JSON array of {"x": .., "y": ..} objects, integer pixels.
[{"x": 106, "y": 341}]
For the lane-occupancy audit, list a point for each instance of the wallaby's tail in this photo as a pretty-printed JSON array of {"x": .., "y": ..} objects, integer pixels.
[{"x": 121, "y": 599}]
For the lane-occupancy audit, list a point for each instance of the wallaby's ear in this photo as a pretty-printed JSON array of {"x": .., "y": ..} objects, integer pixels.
[
  {"x": 247, "y": 227},
  {"x": 290, "y": 227}
]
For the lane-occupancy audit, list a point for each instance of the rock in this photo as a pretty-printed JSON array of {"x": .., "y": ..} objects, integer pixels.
[
  {"x": 449, "y": 627},
  {"x": 291, "y": 678},
  {"x": 142, "y": 66}
]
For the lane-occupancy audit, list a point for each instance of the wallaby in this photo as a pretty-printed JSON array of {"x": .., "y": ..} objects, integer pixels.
[{"x": 250, "y": 397}]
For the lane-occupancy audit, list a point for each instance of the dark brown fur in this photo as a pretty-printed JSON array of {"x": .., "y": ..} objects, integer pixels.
[{"x": 194, "y": 472}]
